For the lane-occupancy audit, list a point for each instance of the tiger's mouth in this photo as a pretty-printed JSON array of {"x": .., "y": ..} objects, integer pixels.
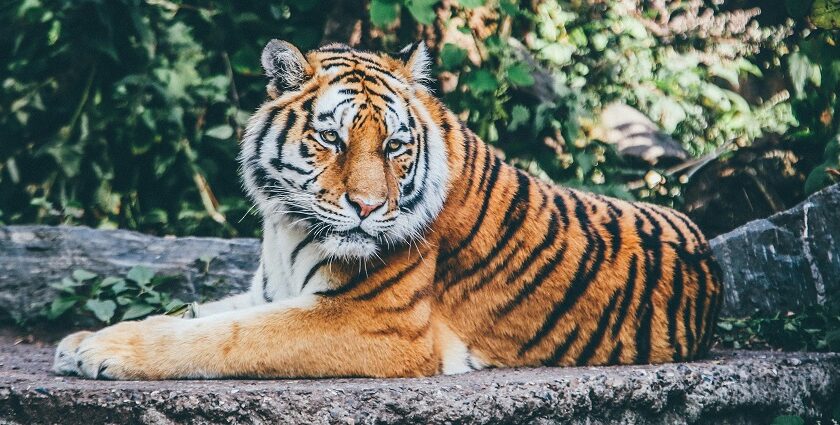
[
  {"x": 354, "y": 234},
  {"x": 352, "y": 243}
]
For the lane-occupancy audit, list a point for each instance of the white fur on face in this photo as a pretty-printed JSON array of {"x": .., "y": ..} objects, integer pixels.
[{"x": 280, "y": 179}]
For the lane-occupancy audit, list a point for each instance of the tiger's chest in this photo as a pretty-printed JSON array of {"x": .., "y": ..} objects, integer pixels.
[{"x": 292, "y": 263}]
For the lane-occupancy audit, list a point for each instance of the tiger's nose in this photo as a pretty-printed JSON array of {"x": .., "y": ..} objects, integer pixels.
[{"x": 364, "y": 207}]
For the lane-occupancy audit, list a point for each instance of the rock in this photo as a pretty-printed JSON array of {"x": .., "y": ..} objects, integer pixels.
[
  {"x": 786, "y": 262},
  {"x": 636, "y": 136},
  {"x": 32, "y": 257},
  {"x": 732, "y": 387}
]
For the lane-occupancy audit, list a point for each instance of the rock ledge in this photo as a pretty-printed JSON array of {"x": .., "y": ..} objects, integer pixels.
[{"x": 731, "y": 387}]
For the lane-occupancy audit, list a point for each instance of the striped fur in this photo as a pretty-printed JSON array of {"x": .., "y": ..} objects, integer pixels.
[{"x": 466, "y": 262}]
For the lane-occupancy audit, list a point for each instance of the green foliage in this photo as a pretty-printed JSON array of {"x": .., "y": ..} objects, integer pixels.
[
  {"x": 85, "y": 297},
  {"x": 814, "y": 72},
  {"x": 788, "y": 420},
  {"x": 127, "y": 114},
  {"x": 816, "y": 329}
]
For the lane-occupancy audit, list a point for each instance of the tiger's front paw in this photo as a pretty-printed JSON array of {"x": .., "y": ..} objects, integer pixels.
[
  {"x": 64, "y": 362},
  {"x": 121, "y": 351}
]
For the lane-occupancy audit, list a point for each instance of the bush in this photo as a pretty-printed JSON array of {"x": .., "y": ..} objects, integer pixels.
[{"x": 126, "y": 113}]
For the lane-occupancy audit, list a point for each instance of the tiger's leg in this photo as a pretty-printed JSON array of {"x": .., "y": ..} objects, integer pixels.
[
  {"x": 299, "y": 337},
  {"x": 253, "y": 297}
]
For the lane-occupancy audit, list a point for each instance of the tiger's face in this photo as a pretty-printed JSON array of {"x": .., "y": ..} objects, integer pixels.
[{"x": 347, "y": 148}]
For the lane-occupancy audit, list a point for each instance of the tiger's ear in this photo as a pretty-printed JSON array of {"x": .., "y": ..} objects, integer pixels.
[
  {"x": 285, "y": 66},
  {"x": 416, "y": 58}
]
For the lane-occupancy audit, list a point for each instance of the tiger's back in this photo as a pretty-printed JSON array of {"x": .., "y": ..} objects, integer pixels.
[{"x": 537, "y": 274}]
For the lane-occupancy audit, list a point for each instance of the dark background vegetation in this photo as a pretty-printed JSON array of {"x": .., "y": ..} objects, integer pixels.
[{"x": 126, "y": 113}]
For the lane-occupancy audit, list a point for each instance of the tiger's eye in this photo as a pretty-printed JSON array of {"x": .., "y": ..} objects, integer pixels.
[
  {"x": 329, "y": 136},
  {"x": 394, "y": 145}
]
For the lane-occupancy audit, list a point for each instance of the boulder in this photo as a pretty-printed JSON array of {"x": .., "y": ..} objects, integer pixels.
[
  {"x": 32, "y": 257},
  {"x": 786, "y": 262}
]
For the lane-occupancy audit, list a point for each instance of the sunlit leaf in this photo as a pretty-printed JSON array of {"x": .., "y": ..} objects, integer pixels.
[{"x": 102, "y": 309}]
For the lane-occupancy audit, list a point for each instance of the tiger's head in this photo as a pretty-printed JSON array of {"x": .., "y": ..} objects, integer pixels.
[{"x": 347, "y": 147}]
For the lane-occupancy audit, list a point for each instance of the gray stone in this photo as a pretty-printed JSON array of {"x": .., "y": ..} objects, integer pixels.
[
  {"x": 786, "y": 262},
  {"x": 32, "y": 257},
  {"x": 734, "y": 387}
]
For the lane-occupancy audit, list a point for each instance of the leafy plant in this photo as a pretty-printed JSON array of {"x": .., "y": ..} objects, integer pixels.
[
  {"x": 815, "y": 329},
  {"x": 85, "y": 296},
  {"x": 126, "y": 114}
]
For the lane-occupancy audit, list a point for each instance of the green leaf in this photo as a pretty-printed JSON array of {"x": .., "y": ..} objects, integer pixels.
[
  {"x": 788, "y": 420},
  {"x": 452, "y": 56},
  {"x": 383, "y": 12},
  {"x": 423, "y": 10},
  {"x": 82, "y": 275},
  {"x": 137, "y": 310},
  {"x": 519, "y": 74},
  {"x": 802, "y": 70},
  {"x": 153, "y": 298},
  {"x": 140, "y": 274},
  {"x": 102, "y": 309},
  {"x": 471, "y": 4},
  {"x": 725, "y": 326},
  {"x": 246, "y": 61},
  {"x": 482, "y": 81},
  {"x": 119, "y": 287},
  {"x": 66, "y": 285},
  {"x": 222, "y": 132},
  {"x": 59, "y": 306},
  {"x": 111, "y": 280},
  {"x": 825, "y": 14},
  {"x": 174, "y": 305},
  {"x": 519, "y": 115},
  {"x": 508, "y": 7}
]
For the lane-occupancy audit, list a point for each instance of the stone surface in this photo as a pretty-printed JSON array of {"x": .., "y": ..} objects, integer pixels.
[
  {"x": 785, "y": 262},
  {"x": 731, "y": 387},
  {"x": 32, "y": 257}
]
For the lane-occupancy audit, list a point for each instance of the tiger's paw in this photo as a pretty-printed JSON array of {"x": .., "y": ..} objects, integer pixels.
[{"x": 116, "y": 352}]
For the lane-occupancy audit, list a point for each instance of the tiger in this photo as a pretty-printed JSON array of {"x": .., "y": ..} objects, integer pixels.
[{"x": 396, "y": 243}]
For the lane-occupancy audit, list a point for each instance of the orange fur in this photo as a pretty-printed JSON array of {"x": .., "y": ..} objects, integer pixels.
[{"x": 518, "y": 271}]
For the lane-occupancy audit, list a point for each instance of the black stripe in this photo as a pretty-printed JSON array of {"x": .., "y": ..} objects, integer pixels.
[
  {"x": 613, "y": 227},
  {"x": 491, "y": 184},
  {"x": 291, "y": 118},
  {"x": 492, "y": 274},
  {"x": 351, "y": 284},
  {"x": 470, "y": 152},
  {"x": 562, "y": 349},
  {"x": 388, "y": 283},
  {"x": 512, "y": 223},
  {"x": 652, "y": 245},
  {"x": 266, "y": 298},
  {"x": 418, "y": 295},
  {"x": 629, "y": 288},
  {"x": 302, "y": 244},
  {"x": 314, "y": 270},
  {"x": 673, "y": 307},
  {"x": 585, "y": 274},
  {"x": 550, "y": 237},
  {"x": 487, "y": 160},
  {"x": 598, "y": 337},
  {"x": 689, "y": 330},
  {"x": 280, "y": 166},
  {"x": 615, "y": 354},
  {"x": 560, "y": 204}
]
